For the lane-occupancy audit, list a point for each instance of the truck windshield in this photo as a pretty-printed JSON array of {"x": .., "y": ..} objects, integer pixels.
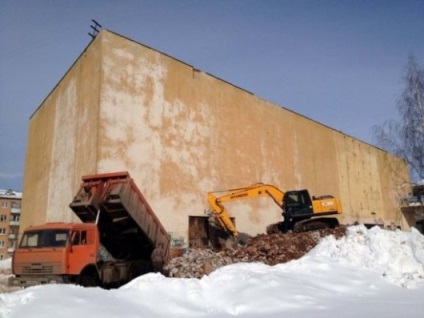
[{"x": 45, "y": 238}]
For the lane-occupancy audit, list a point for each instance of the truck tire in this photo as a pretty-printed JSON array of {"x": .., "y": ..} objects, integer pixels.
[
  {"x": 88, "y": 281},
  {"x": 89, "y": 278}
]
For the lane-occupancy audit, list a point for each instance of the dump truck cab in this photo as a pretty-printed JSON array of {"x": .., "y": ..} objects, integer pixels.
[{"x": 55, "y": 253}]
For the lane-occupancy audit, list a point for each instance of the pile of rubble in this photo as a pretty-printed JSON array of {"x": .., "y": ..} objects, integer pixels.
[
  {"x": 196, "y": 262},
  {"x": 269, "y": 249}
]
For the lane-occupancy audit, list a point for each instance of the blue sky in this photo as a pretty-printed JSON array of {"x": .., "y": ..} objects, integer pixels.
[{"x": 337, "y": 62}]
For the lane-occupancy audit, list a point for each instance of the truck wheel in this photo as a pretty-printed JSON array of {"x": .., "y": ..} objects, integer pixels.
[
  {"x": 86, "y": 280},
  {"x": 136, "y": 270}
]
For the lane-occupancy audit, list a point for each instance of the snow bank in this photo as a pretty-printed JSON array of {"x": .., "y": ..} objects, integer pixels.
[
  {"x": 6, "y": 264},
  {"x": 337, "y": 278},
  {"x": 396, "y": 255}
]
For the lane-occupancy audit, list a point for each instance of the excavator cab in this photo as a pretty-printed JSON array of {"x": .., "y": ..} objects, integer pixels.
[
  {"x": 297, "y": 204},
  {"x": 300, "y": 211}
]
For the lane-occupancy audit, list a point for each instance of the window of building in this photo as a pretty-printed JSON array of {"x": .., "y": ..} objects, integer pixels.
[
  {"x": 2, "y": 230},
  {"x": 16, "y": 218},
  {"x": 4, "y": 204},
  {"x": 16, "y": 205},
  {"x": 2, "y": 244},
  {"x": 3, "y": 217},
  {"x": 1, "y": 257}
]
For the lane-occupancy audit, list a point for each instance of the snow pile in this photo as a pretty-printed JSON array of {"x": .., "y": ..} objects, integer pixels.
[
  {"x": 6, "y": 264},
  {"x": 351, "y": 277},
  {"x": 396, "y": 255}
]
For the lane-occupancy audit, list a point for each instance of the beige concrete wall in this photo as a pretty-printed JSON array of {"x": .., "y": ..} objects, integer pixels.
[
  {"x": 181, "y": 133},
  {"x": 62, "y": 142}
]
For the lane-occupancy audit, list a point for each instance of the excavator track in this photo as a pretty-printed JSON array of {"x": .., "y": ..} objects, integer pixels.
[
  {"x": 304, "y": 225},
  {"x": 315, "y": 224}
]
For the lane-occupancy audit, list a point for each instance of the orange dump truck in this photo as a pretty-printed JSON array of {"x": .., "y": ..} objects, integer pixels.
[{"x": 112, "y": 245}]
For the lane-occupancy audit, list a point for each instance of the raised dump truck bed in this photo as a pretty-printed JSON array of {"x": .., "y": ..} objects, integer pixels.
[{"x": 129, "y": 228}]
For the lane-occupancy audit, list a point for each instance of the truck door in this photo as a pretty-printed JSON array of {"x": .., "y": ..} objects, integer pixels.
[{"x": 82, "y": 250}]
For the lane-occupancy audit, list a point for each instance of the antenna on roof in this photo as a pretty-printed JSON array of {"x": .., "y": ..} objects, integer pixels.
[{"x": 95, "y": 28}]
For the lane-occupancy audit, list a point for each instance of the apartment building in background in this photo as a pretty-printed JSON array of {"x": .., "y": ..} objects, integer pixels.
[{"x": 10, "y": 212}]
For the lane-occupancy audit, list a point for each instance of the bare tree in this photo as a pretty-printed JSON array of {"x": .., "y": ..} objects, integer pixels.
[{"x": 405, "y": 138}]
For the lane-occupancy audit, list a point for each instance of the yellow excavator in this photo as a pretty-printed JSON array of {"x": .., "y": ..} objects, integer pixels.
[{"x": 300, "y": 211}]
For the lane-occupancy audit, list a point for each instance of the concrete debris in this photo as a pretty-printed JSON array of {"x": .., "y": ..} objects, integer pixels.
[
  {"x": 196, "y": 262},
  {"x": 269, "y": 249}
]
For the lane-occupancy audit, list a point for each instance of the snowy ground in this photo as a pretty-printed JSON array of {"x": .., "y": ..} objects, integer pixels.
[{"x": 368, "y": 273}]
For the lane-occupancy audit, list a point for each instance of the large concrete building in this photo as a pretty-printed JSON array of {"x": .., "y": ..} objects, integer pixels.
[{"x": 180, "y": 133}]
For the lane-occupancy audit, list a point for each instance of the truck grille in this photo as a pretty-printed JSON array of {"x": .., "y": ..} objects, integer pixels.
[{"x": 38, "y": 268}]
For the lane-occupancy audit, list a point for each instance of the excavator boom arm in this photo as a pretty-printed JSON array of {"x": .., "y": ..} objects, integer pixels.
[{"x": 253, "y": 191}]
